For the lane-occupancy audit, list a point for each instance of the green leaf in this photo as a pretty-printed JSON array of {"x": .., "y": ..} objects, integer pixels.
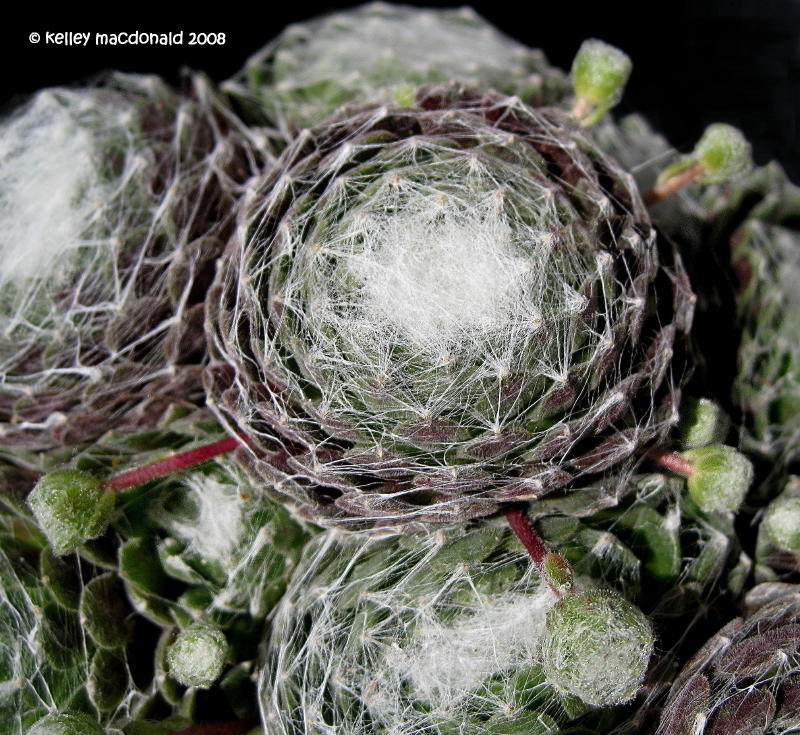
[
  {"x": 105, "y": 611},
  {"x": 66, "y": 723},
  {"x": 108, "y": 678},
  {"x": 62, "y": 576}
]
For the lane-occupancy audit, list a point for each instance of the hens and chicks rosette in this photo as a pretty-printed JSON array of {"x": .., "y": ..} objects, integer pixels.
[{"x": 442, "y": 305}]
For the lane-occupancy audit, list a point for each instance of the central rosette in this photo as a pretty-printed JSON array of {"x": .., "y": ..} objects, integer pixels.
[
  {"x": 434, "y": 295},
  {"x": 438, "y": 307}
]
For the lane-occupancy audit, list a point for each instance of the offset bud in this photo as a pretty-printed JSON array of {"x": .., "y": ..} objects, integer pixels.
[
  {"x": 723, "y": 152},
  {"x": 781, "y": 523},
  {"x": 600, "y": 73},
  {"x": 720, "y": 478},
  {"x": 597, "y": 646},
  {"x": 71, "y": 507},
  {"x": 66, "y": 724},
  {"x": 197, "y": 657},
  {"x": 703, "y": 422}
]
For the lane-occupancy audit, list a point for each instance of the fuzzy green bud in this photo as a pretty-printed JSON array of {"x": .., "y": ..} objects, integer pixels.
[
  {"x": 723, "y": 152},
  {"x": 597, "y": 646},
  {"x": 599, "y": 74},
  {"x": 720, "y": 477},
  {"x": 703, "y": 422},
  {"x": 781, "y": 523},
  {"x": 64, "y": 723},
  {"x": 71, "y": 507},
  {"x": 197, "y": 656}
]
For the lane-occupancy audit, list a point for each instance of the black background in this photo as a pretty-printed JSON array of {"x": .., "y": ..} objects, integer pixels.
[{"x": 695, "y": 62}]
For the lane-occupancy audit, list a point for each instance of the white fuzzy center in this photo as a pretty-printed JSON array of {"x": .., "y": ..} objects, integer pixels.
[{"x": 443, "y": 275}]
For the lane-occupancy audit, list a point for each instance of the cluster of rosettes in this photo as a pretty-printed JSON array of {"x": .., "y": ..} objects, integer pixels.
[
  {"x": 429, "y": 311},
  {"x": 445, "y": 303}
]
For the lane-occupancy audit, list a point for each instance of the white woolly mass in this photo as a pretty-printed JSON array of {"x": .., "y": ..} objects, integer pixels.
[
  {"x": 212, "y": 519},
  {"x": 379, "y": 40},
  {"x": 52, "y": 188},
  {"x": 441, "y": 271},
  {"x": 437, "y": 286},
  {"x": 402, "y": 635},
  {"x": 39, "y": 216},
  {"x": 379, "y": 52},
  {"x": 226, "y": 534},
  {"x": 72, "y": 195},
  {"x": 445, "y": 662}
]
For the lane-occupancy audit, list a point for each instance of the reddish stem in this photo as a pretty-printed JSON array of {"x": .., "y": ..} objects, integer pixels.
[
  {"x": 671, "y": 461},
  {"x": 170, "y": 464},
  {"x": 519, "y": 524},
  {"x": 668, "y": 187},
  {"x": 220, "y": 728}
]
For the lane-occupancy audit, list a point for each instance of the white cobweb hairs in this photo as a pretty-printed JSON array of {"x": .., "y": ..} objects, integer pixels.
[
  {"x": 427, "y": 312},
  {"x": 378, "y": 53},
  {"x": 768, "y": 380},
  {"x": 244, "y": 544},
  {"x": 406, "y": 636},
  {"x": 113, "y": 200},
  {"x": 43, "y": 656}
]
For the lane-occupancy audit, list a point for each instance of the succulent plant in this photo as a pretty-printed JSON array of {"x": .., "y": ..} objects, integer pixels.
[
  {"x": 380, "y": 53},
  {"x": 431, "y": 631},
  {"x": 745, "y": 678},
  {"x": 463, "y": 291},
  {"x": 114, "y": 202},
  {"x": 181, "y": 563},
  {"x": 431, "y": 311},
  {"x": 767, "y": 257},
  {"x": 454, "y": 630}
]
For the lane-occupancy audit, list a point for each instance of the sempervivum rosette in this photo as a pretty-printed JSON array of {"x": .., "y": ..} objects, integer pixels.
[
  {"x": 114, "y": 203},
  {"x": 430, "y": 311},
  {"x": 768, "y": 382},
  {"x": 378, "y": 53},
  {"x": 446, "y": 632},
  {"x": 746, "y": 679}
]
